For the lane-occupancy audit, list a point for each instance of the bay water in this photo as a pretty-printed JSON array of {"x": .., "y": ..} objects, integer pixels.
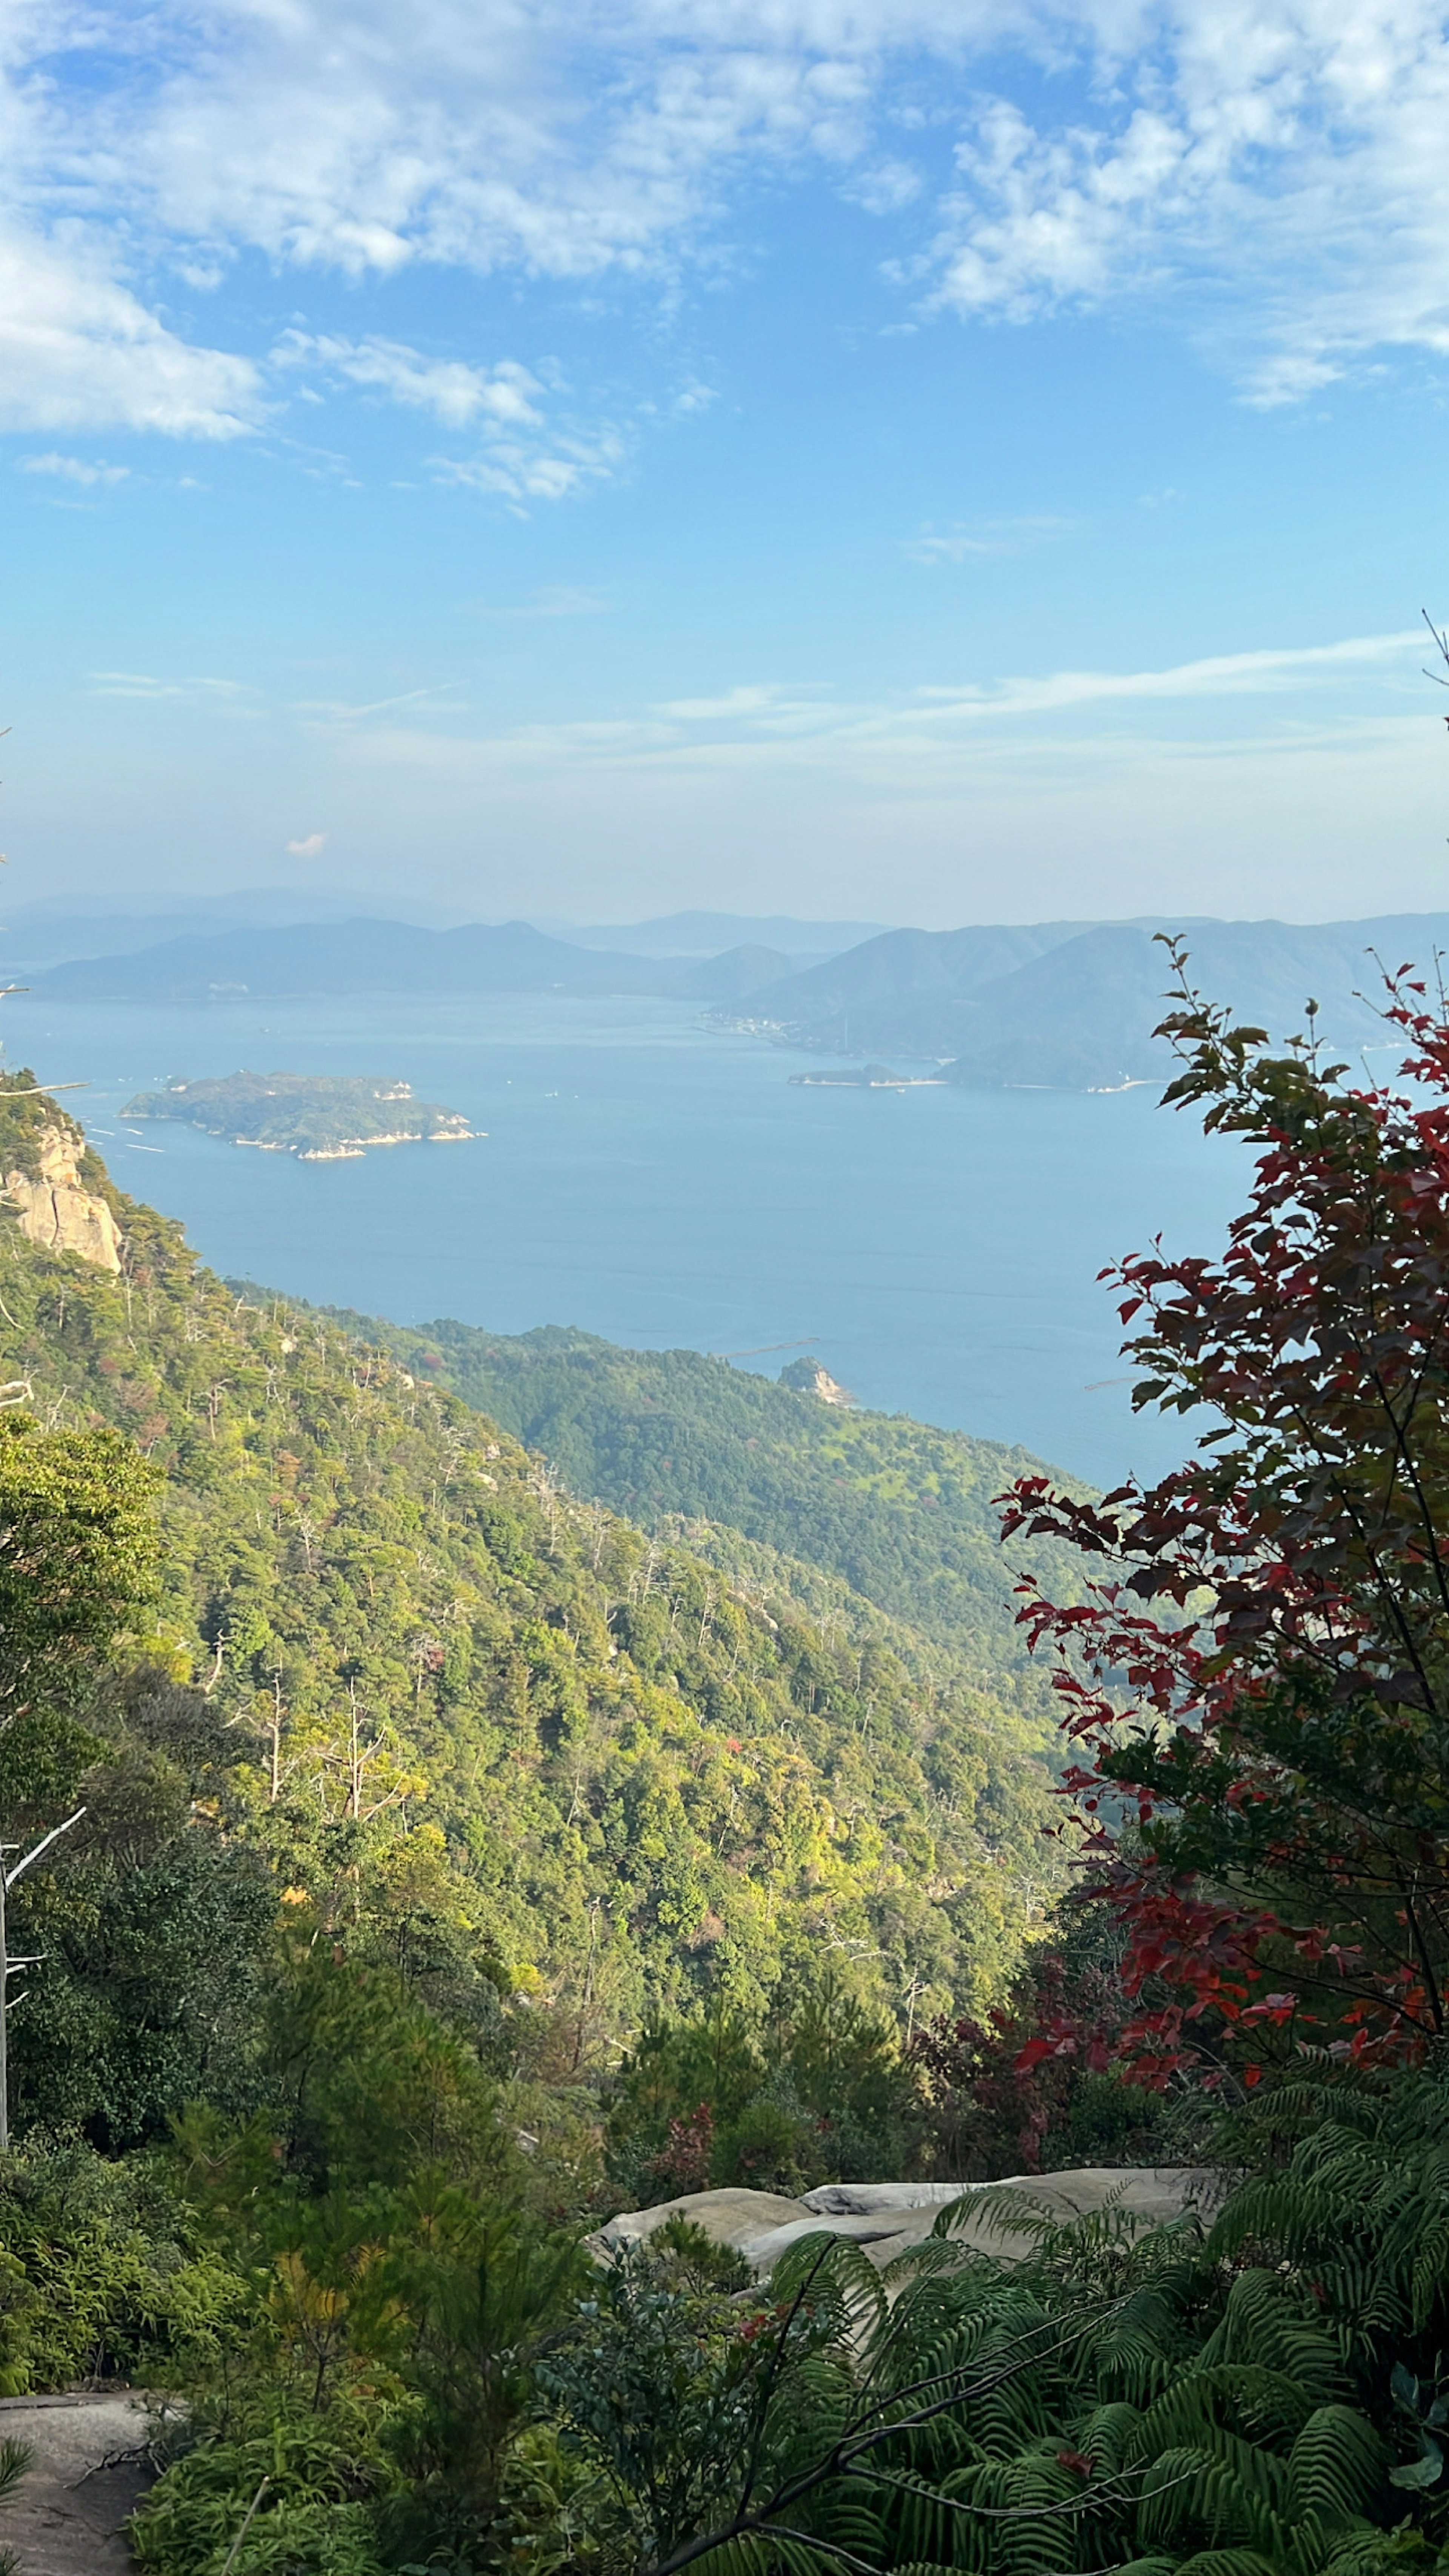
[{"x": 664, "y": 1184}]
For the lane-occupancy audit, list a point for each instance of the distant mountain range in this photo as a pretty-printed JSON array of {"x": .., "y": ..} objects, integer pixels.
[
  {"x": 65, "y": 928},
  {"x": 1062, "y": 1005},
  {"x": 704, "y": 934},
  {"x": 397, "y": 957},
  {"x": 1072, "y": 1005}
]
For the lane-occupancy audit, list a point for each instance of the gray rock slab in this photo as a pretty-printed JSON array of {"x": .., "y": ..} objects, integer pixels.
[
  {"x": 734, "y": 2217},
  {"x": 867, "y": 2199},
  {"x": 987, "y": 2221},
  {"x": 889, "y": 2218}
]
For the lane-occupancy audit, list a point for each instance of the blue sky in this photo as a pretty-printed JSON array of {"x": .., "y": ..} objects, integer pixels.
[{"x": 937, "y": 461}]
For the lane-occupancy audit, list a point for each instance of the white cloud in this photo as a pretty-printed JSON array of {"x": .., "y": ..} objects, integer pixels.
[
  {"x": 453, "y": 391},
  {"x": 73, "y": 469},
  {"x": 310, "y": 848},
  {"x": 523, "y": 455},
  {"x": 1271, "y": 172},
  {"x": 552, "y": 468},
  {"x": 79, "y": 351},
  {"x": 935, "y": 710},
  {"x": 1286, "y": 159},
  {"x": 751, "y": 700},
  {"x": 887, "y": 186},
  {"x": 562, "y": 601}
]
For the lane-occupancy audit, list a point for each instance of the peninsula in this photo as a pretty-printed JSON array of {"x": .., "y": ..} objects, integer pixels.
[
  {"x": 866, "y": 1077},
  {"x": 322, "y": 1118}
]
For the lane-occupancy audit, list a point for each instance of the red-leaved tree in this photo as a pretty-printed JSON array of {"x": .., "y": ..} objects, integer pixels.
[{"x": 1256, "y": 1689}]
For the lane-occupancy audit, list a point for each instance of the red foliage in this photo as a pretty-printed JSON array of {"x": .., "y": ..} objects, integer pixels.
[
  {"x": 1001, "y": 2092},
  {"x": 1256, "y": 1687},
  {"x": 683, "y": 2163}
]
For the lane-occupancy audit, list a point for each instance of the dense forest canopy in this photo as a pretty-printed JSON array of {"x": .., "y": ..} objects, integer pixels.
[
  {"x": 593, "y": 1765},
  {"x": 903, "y": 1511}
]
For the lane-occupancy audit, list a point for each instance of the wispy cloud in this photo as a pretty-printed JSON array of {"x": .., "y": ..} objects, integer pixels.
[
  {"x": 144, "y": 685},
  {"x": 454, "y": 391},
  {"x": 964, "y": 543},
  {"x": 754, "y": 700},
  {"x": 523, "y": 454},
  {"x": 311, "y": 847},
  {"x": 561, "y": 601},
  {"x": 886, "y": 186},
  {"x": 74, "y": 469},
  {"x": 441, "y": 699},
  {"x": 1275, "y": 181},
  {"x": 946, "y": 731},
  {"x": 1221, "y": 675},
  {"x": 553, "y": 467}
]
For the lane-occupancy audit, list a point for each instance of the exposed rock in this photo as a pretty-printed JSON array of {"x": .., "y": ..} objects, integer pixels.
[
  {"x": 55, "y": 1211},
  {"x": 867, "y": 2199},
  {"x": 89, "y": 2467},
  {"x": 888, "y": 2218},
  {"x": 808, "y": 1377},
  {"x": 747, "y": 2220}
]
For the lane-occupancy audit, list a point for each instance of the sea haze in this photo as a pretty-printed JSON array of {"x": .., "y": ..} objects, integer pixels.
[{"x": 663, "y": 1184}]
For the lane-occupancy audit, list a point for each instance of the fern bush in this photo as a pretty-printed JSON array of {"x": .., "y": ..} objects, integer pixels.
[
  {"x": 1360, "y": 2207},
  {"x": 1123, "y": 2401}
]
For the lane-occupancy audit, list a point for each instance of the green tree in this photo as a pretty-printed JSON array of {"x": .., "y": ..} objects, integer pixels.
[{"x": 78, "y": 1567}]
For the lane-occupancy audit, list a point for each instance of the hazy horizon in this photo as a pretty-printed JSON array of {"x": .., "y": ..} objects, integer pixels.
[{"x": 264, "y": 905}]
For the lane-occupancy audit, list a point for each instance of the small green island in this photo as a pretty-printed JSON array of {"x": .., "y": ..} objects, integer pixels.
[{"x": 322, "y": 1118}]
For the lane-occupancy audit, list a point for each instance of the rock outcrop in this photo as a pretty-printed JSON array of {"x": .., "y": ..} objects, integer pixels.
[
  {"x": 888, "y": 2218},
  {"x": 808, "y": 1377},
  {"x": 55, "y": 1211}
]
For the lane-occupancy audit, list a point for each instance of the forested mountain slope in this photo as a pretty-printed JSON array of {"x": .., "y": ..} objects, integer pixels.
[
  {"x": 580, "y": 1761},
  {"x": 1072, "y": 1005},
  {"x": 902, "y": 1511}
]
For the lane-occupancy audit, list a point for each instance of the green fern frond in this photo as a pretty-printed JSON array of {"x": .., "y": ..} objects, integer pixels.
[
  {"x": 1223, "y": 2562},
  {"x": 1133, "y": 2350},
  {"x": 1107, "y": 2436},
  {"x": 834, "y": 2275},
  {"x": 1229, "y": 2493},
  {"x": 1336, "y": 2466},
  {"x": 1266, "y": 2322}
]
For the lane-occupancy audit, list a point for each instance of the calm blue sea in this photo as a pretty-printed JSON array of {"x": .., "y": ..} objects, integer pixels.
[{"x": 664, "y": 1185}]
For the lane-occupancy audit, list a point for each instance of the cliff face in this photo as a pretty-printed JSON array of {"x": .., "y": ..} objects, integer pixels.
[{"x": 54, "y": 1209}]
